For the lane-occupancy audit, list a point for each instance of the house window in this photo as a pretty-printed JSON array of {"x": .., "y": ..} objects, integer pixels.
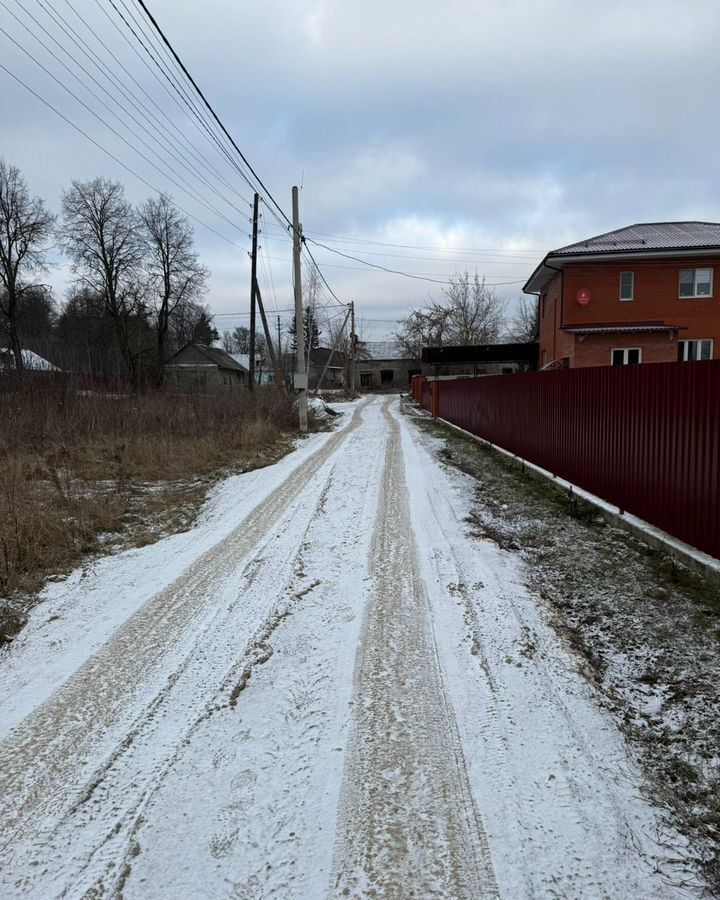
[
  {"x": 627, "y": 285},
  {"x": 386, "y": 376},
  {"x": 366, "y": 379},
  {"x": 688, "y": 351},
  {"x": 696, "y": 283},
  {"x": 627, "y": 356}
]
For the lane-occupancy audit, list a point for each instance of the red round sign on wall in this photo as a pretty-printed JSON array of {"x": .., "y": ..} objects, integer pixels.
[{"x": 583, "y": 296}]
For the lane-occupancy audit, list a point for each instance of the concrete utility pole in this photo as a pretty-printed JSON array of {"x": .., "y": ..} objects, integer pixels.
[
  {"x": 353, "y": 342},
  {"x": 253, "y": 288},
  {"x": 301, "y": 378}
]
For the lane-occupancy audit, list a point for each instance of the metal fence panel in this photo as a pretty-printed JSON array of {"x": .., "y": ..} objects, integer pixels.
[{"x": 644, "y": 438}]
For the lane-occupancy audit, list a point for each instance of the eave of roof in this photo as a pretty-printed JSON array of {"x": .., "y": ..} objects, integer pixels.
[
  {"x": 618, "y": 327},
  {"x": 643, "y": 239}
]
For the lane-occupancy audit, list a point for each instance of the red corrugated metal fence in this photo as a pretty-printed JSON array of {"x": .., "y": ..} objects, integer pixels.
[{"x": 644, "y": 438}]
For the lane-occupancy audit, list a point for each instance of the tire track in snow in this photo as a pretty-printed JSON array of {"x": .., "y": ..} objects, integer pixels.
[
  {"x": 41, "y": 758},
  {"x": 263, "y": 824},
  {"x": 560, "y": 796},
  {"x": 407, "y": 824}
]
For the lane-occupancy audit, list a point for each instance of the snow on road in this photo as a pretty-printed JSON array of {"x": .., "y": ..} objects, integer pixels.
[{"x": 327, "y": 688}]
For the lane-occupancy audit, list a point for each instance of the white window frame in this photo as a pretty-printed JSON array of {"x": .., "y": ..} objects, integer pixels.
[
  {"x": 685, "y": 348},
  {"x": 695, "y": 295},
  {"x": 632, "y": 287},
  {"x": 625, "y": 351}
]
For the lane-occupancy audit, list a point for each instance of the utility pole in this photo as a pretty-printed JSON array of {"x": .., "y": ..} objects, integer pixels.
[
  {"x": 274, "y": 359},
  {"x": 253, "y": 287},
  {"x": 353, "y": 342},
  {"x": 301, "y": 379},
  {"x": 280, "y": 353}
]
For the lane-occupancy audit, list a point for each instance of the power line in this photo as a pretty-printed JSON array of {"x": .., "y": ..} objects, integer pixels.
[
  {"x": 176, "y": 152},
  {"x": 198, "y": 155},
  {"x": 319, "y": 271},
  {"x": 112, "y": 155},
  {"x": 121, "y": 106},
  {"x": 352, "y": 240},
  {"x": 289, "y": 310},
  {"x": 117, "y": 134},
  {"x": 210, "y": 108},
  {"x": 485, "y": 260},
  {"x": 227, "y": 134},
  {"x": 371, "y": 265},
  {"x": 202, "y": 128},
  {"x": 179, "y": 88}
]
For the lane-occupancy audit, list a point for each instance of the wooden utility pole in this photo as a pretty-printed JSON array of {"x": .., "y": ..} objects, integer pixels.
[
  {"x": 253, "y": 288},
  {"x": 274, "y": 358},
  {"x": 301, "y": 378},
  {"x": 280, "y": 353},
  {"x": 353, "y": 342}
]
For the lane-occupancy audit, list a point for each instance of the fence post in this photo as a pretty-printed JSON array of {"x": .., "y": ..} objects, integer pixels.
[{"x": 434, "y": 398}]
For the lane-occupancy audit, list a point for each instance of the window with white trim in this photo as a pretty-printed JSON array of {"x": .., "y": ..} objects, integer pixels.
[
  {"x": 627, "y": 285},
  {"x": 689, "y": 351},
  {"x": 626, "y": 356},
  {"x": 695, "y": 283}
]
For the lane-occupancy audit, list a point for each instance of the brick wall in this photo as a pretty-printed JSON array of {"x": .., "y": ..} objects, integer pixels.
[
  {"x": 553, "y": 343},
  {"x": 655, "y": 298},
  {"x": 596, "y": 349}
]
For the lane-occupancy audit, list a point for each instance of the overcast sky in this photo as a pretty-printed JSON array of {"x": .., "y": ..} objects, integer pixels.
[{"x": 502, "y": 128}]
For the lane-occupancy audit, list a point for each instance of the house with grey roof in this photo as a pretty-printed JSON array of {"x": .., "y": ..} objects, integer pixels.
[
  {"x": 640, "y": 294},
  {"x": 197, "y": 367}
]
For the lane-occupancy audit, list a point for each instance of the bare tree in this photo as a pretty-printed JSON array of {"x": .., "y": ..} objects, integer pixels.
[
  {"x": 175, "y": 274},
  {"x": 101, "y": 234},
  {"x": 470, "y": 313},
  {"x": 426, "y": 327},
  {"x": 25, "y": 226},
  {"x": 311, "y": 289},
  {"x": 525, "y": 324},
  {"x": 475, "y": 313},
  {"x": 228, "y": 342}
]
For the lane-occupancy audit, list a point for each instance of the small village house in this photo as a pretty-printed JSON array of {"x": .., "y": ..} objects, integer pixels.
[
  {"x": 644, "y": 293},
  {"x": 199, "y": 367}
]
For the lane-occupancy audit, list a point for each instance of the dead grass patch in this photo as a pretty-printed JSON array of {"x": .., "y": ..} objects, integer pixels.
[{"x": 85, "y": 473}]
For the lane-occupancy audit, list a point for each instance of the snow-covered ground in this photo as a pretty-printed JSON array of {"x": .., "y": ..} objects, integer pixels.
[{"x": 325, "y": 688}]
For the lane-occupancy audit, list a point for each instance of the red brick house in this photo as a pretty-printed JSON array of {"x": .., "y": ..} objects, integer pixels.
[{"x": 645, "y": 293}]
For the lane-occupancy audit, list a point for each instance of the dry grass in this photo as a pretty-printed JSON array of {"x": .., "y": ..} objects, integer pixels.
[{"x": 75, "y": 467}]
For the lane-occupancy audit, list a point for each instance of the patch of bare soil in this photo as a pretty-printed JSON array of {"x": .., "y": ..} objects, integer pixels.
[{"x": 646, "y": 629}]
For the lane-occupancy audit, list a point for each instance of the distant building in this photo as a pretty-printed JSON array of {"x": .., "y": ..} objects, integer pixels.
[
  {"x": 203, "y": 368},
  {"x": 386, "y": 374},
  {"x": 263, "y": 374},
  {"x": 32, "y": 361},
  {"x": 323, "y": 359},
  {"x": 641, "y": 294}
]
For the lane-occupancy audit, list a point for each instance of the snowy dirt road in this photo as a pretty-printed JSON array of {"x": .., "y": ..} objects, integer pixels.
[{"x": 328, "y": 688}]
